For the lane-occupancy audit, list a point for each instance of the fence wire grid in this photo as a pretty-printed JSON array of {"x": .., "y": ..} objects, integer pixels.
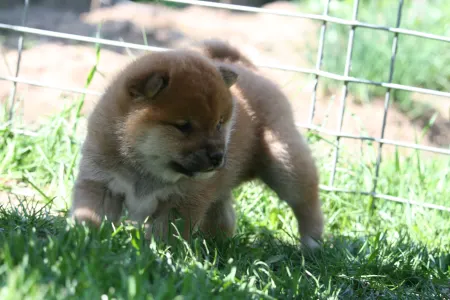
[{"x": 325, "y": 18}]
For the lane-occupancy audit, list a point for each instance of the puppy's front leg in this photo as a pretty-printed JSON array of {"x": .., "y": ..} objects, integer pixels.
[
  {"x": 192, "y": 214},
  {"x": 157, "y": 225},
  {"x": 92, "y": 201},
  {"x": 220, "y": 220}
]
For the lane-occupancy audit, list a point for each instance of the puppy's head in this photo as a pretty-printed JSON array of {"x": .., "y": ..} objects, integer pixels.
[{"x": 178, "y": 114}]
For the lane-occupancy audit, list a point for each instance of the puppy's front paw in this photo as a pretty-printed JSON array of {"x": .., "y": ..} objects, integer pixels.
[
  {"x": 310, "y": 243},
  {"x": 156, "y": 230},
  {"x": 87, "y": 216}
]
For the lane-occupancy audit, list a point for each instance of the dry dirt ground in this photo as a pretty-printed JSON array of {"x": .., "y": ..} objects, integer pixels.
[{"x": 265, "y": 38}]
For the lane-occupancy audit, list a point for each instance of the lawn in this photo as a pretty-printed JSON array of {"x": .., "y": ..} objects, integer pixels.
[
  {"x": 393, "y": 251},
  {"x": 386, "y": 251},
  {"x": 420, "y": 62}
]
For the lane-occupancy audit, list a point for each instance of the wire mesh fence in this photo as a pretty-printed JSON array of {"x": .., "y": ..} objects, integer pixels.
[{"x": 345, "y": 78}]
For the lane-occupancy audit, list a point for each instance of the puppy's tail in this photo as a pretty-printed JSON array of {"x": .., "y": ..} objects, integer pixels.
[{"x": 223, "y": 51}]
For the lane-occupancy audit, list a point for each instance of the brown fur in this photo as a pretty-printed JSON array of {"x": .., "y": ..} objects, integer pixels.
[
  {"x": 221, "y": 51},
  {"x": 134, "y": 154}
]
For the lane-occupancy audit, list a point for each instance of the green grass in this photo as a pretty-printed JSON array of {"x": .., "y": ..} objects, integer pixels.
[
  {"x": 395, "y": 252},
  {"x": 420, "y": 62}
]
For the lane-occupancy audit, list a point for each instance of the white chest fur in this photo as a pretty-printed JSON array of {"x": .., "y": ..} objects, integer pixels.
[{"x": 141, "y": 205}]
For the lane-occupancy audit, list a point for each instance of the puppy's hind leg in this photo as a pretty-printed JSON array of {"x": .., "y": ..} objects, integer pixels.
[{"x": 288, "y": 168}]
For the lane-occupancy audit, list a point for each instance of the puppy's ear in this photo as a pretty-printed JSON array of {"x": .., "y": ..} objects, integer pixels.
[
  {"x": 228, "y": 75},
  {"x": 149, "y": 87}
]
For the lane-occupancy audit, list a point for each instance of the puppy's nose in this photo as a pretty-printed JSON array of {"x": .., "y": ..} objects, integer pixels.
[{"x": 216, "y": 158}]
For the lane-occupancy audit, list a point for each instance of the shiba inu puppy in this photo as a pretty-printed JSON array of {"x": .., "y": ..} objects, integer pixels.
[{"x": 179, "y": 130}]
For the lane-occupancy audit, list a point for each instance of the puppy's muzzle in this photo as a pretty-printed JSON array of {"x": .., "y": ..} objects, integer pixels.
[
  {"x": 200, "y": 161},
  {"x": 216, "y": 158}
]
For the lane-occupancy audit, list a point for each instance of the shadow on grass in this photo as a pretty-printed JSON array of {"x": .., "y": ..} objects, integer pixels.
[
  {"x": 351, "y": 266},
  {"x": 254, "y": 264}
]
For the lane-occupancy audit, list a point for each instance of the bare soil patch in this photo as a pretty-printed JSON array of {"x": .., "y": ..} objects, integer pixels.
[{"x": 265, "y": 38}]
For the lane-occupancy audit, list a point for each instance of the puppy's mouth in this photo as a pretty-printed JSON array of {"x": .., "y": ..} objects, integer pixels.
[
  {"x": 180, "y": 169},
  {"x": 177, "y": 167}
]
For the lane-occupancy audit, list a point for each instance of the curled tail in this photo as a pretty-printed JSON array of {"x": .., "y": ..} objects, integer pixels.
[{"x": 222, "y": 51}]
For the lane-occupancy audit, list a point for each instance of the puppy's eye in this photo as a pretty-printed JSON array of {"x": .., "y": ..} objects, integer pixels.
[
  {"x": 184, "y": 127},
  {"x": 219, "y": 124}
]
